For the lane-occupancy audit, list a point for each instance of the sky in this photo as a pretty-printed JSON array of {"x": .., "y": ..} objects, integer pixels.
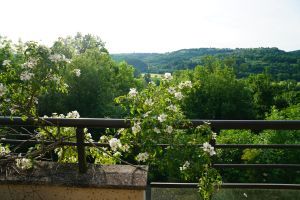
[{"x": 128, "y": 26}]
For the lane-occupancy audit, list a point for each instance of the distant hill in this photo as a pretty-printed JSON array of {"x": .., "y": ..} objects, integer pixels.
[{"x": 282, "y": 65}]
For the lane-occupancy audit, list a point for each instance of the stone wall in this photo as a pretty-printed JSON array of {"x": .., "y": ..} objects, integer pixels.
[{"x": 54, "y": 181}]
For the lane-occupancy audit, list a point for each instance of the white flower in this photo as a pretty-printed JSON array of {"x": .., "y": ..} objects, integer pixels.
[
  {"x": 121, "y": 130},
  {"x": 171, "y": 90},
  {"x": 185, "y": 84},
  {"x": 168, "y": 76},
  {"x": 209, "y": 149},
  {"x": 117, "y": 154},
  {"x": 146, "y": 114},
  {"x": 77, "y": 72},
  {"x": 133, "y": 92},
  {"x": 125, "y": 148},
  {"x": 156, "y": 130},
  {"x": 178, "y": 95},
  {"x": 13, "y": 110},
  {"x": 73, "y": 114},
  {"x": 30, "y": 64},
  {"x": 172, "y": 108},
  {"x": 2, "y": 89},
  {"x": 58, "y": 58},
  {"x": 114, "y": 143},
  {"x": 142, "y": 157},
  {"x": 214, "y": 136},
  {"x": 185, "y": 166},
  {"x": 169, "y": 129},
  {"x": 26, "y": 76},
  {"x": 56, "y": 78},
  {"x": 103, "y": 138},
  {"x": 66, "y": 85},
  {"x": 4, "y": 151},
  {"x": 88, "y": 137},
  {"x": 162, "y": 117},
  {"x": 35, "y": 100},
  {"x": 149, "y": 102},
  {"x": 136, "y": 128},
  {"x": 6, "y": 62},
  {"x": 23, "y": 163}
]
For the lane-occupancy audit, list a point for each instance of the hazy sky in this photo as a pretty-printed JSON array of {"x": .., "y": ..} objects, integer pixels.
[{"x": 157, "y": 25}]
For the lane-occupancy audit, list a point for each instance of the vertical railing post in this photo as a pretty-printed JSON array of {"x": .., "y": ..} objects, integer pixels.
[{"x": 82, "y": 164}]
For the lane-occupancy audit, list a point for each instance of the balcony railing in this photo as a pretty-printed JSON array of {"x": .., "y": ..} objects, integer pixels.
[{"x": 217, "y": 125}]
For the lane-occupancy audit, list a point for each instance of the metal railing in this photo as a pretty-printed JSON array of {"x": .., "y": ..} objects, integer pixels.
[{"x": 82, "y": 123}]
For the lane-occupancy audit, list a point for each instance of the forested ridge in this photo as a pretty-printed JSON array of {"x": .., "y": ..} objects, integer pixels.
[{"x": 281, "y": 65}]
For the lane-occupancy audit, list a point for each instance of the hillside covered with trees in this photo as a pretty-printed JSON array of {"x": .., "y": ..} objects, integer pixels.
[{"x": 279, "y": 64}]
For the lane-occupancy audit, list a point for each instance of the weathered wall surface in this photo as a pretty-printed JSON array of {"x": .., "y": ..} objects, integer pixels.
[
  {"x": 55, "y": 181},
  {"x": 42, "y": 192}
]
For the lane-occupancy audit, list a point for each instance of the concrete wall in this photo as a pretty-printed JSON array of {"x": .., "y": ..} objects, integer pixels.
[
  {"x": 44, "y": 192},
  {"x": 56, "y": 181}
]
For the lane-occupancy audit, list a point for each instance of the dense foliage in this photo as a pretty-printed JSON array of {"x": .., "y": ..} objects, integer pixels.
[{"x": 78, "y": 74}]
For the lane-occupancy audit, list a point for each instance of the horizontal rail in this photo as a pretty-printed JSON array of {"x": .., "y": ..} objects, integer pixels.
[
  {"x": 47, "y": 142},
  {"x": 228, "y": 185},
  {"x": 123, "y": 123},
  {"x": 258, "y": 146},
  {"x": 221, "y": 146},
  {"x": 257, "y": 166}
]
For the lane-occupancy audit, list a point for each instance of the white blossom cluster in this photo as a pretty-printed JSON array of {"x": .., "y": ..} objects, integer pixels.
[
  {"x": 56, "y": 115},
  {"x": 214, "y": 135},
  {"x": 147, "y": 114},
  {"x": 13, "y": 110},
  {"x": 4, "y": 151},
  {"x": 142, "y": 157},
  {"x": 169, "y": 129},
  {"x": 186, "y": 84},
  {"x": 114, "y": 144},
  {"x": 185, "y": 166},
  {"x": 23, "y": 163},
  {"x": 149, "y": 102},
  {"x": 133, "y": 92},
  {"x": 162, "y": 117},
  {"x": 30, "y": 64},
  {"x": 168, "y": 76},
  {"x": 209, "y": 149},
  {"x": 156, "y": 130},
  {"x": 6, "y": 62},
  {"x": 73, "y": 114},
  {"x": 172, "y": 90},
  {"x": 77, "y": 72},
  {"x": 125, "y": 147},
  {"x": 178, "y": 95},
  {"x": 136, "y": 127},
  {"x": 58, "y": 58},
  {"x": 2, "y": 89},
  {"x": 56, "y": 79},
  {"x": 34, "y": 100},
  {"x": 88, "y": 136},
  {"x": 26, "y": 76},
  {"x": 172, "y": 108}
]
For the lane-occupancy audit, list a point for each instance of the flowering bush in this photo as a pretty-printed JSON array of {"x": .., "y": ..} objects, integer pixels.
[
  {"x": 27, "y": 72},
  {"x": 68, "y": 154},
  {"x": 160, "y": 134},
  {"x": 157, "y": 120}
]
